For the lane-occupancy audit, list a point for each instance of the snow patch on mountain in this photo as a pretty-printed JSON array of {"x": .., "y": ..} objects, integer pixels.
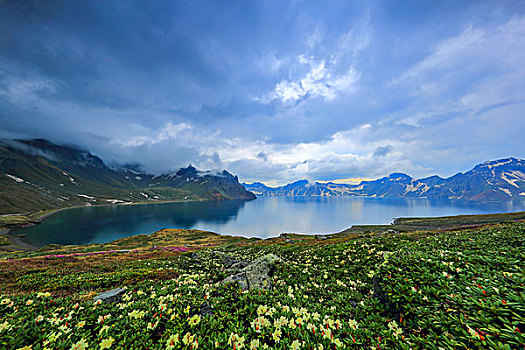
[{"x": 17, "y": 179}]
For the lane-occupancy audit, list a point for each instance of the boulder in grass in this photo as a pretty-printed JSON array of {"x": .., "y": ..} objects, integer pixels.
[
  {"x": 110, "y": 296},
  {"x": 257, "y": 274}
]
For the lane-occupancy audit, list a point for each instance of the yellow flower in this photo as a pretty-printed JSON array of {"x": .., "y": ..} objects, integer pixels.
[
  {"x": 188, "y": 338},
  {"x": 262, "y": 310},
  {"x": 353, "y": 324},
  {"x": 254, "y": 344},
  {"x": 29, "y": 302},
  {"x": 81, "y": 324},
  {"x": 4, "y": 326},
  {"x": 338, "y": 343},
  {"x": 81, "y": 345},
  {"x": 172, "y": 341},
  {"x": 103, "y": 329},
  {"x": 39, "y": 318},
  {"x": 25, "y": 348},
  {"x": 277, "y": 335},
  {"x": 106, "y": 343},
  {"x": 295, "y": 345},
  {"x": 236, "y": 341},
  {"x": 195, "y": 320}
]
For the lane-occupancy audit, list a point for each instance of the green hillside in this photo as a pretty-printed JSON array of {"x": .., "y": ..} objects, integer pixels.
[
  {"x": 39, "y": 175},
  {"x": 459, "y": 289}
]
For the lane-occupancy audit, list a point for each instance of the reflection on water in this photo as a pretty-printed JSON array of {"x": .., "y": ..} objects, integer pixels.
[{"x": 263, "y": 217}]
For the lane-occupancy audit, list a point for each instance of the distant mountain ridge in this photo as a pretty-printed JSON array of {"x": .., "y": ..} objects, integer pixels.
[
  {"x": 496, "y": 180},
  {"x": 37, "y": 174}
]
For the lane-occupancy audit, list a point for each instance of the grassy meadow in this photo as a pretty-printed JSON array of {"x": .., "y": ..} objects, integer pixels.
[{"x": 448, "y": 289}]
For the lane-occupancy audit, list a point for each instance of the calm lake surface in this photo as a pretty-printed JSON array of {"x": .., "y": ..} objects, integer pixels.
[{"x": 263, "y": 217}]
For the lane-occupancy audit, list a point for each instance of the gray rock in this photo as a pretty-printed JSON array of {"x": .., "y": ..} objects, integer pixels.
[
  {"x": 111, "y": 296},
  {"x": 204, "y": 310},
  {"x": 229, "y": 261},
  {"x": 195, "y": 258},
  {"x": 240, "y": 265},
  {"x": 257, "y": 274}
]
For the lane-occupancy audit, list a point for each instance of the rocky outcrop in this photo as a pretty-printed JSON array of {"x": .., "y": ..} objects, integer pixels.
[
  {"x": 256, "y": 275},
  {"x": 110, "y": 296}
]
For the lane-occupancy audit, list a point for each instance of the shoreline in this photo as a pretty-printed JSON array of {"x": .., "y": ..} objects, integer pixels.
[
  {"x": 402, "y": 224},
  {"x": 18, "y": 243},
  {"x": 50, "y": 212}
]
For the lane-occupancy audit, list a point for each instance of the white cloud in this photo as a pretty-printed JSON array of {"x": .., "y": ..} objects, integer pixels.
[
  {"x": 474, "y": 50},
  {"x": 318, "y": 82}
]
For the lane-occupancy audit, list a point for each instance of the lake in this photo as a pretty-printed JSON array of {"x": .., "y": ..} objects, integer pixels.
[{"x": 264, "y": 217}]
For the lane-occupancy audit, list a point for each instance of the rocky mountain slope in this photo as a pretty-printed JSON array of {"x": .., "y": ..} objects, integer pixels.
[
  {"x": 37, "y": 174},
  {"x": 497, "y": 180}
]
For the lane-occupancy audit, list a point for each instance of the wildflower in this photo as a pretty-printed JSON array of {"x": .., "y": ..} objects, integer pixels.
[
  {"x": 276, "y": 335},
  {"x": 101, "y": 319},
  {"x": 25, "y": 348},
  {"x": 236, "y": 341},
  {"x": 188, "y": 338},
  {"x": 29, "y": 302},
  {"x": 81, "y": 324},
  {"x": 353, "y": 324},
  {"x": 103, "y": 329},
  {"x": 195, "y": 320},
  {"x": 291, "y": 324},
  {"x": 295, "y": 345},
  {"x": 136, "y": 314},
  {"x": 254, "y": 344},
  {"x": 474, "y": 333},
  {"x": 262, "y": 310},
  {"x": 4, "y": 326},
  {"x": 106, "y": 343},
  {"x": 39, "y": 318},
  {"x": 393, "y": 326},
  {"x": 338, "y": 343},
  {"x": 172, "y": 341},
  {"x": 81, "y": 345}
]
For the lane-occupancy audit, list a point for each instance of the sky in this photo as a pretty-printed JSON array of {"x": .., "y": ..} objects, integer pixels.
[{"x": 273, "y": 91}]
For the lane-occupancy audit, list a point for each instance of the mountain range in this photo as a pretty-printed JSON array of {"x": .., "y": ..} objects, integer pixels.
[
  {"x": 497, "y": 180},
  {"x": 37, "y": 174}
]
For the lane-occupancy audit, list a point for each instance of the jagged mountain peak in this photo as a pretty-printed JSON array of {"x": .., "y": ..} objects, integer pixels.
[
  {"x": 502, "y": 179},
  {"x": 399, "y": 177}
]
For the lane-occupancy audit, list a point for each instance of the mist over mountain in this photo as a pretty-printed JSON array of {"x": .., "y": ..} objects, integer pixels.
[{"x": 37, "y": 174}]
